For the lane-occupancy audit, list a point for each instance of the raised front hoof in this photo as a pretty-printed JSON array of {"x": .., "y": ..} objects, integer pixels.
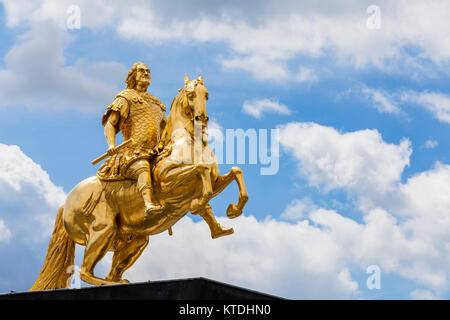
[
  {"x": 222, "y": 232},
  {"x": 233, "y": 211},
  {"x": 96, "y": 281}
]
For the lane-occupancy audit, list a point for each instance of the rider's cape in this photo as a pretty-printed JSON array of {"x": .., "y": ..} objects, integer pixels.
[{"x": 142, "y": 117}]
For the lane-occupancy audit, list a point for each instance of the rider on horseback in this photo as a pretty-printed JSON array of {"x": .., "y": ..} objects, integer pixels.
[
  {"x": 109, "y": 216},
  {"x": 140, "y": 116}
]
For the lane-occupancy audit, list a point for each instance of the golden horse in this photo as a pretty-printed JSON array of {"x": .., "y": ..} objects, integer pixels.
[{"x": 110, "y": 216}]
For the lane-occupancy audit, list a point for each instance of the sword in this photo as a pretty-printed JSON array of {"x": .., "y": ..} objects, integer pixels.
[{"x": 118, "y": 148}]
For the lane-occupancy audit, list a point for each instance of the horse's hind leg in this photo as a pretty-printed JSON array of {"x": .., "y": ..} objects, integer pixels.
[
  {"x": 125, "y": 257},
  {"x": 101, "y": 237}
]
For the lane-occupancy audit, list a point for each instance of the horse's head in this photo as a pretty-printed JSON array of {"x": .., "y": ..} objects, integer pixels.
[
  {"x": 194, "y": 100},
  {"x": 188, "y": 110}
]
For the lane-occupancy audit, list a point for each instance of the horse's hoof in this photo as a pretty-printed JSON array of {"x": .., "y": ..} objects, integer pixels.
[
  {"x": 115, "y": 281},
  {"x": 96, "y": 281},
  {"x": 222, "y": 232},
  {"x": 233, "y": 211}
]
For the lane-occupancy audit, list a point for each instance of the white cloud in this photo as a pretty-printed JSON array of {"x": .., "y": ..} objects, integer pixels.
[
  {"x": 291, "y": 30},
  {"x": 315, "y": 257},
  {"x": 424, "y": 199},
  {"x": 285, "y": 259},
  {"x": 257, "y": 107},
  {"x": 298, "y": 209},
  {"x": 29, "y": 201},
  {"x": 384, "y": 241},
  {"x": 5, "y": 233},
  {"x": 259, "y": 67},
  {"x": 306, "y": 75},
  {"x": 20, "y": 12},
  {"x": 36, "y": 65},
  {"x": 436, "y": 103},
  {"x": 18, "y": 172},
  {"x": 377, "y": 98},
  {"x": 267, "y": 37},
  {"x": 213, "y": 125},
  {"x": 382, "y": 102},
  {"x": 357, "y": 161},
  {"x": 405, "y": 229},
  {"x": 431, "y": 144},
  {"x": 28, "y": 198},
  {"x": 420, "y": 294}
]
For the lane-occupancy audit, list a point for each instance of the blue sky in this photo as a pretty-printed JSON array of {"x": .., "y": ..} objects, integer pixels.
[{"x": 363, "y": 116}]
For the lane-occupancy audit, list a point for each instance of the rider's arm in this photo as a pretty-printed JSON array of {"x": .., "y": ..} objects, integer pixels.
[
  {"x": 116, "y": 113},
  {"x": 110, "y": 129}
]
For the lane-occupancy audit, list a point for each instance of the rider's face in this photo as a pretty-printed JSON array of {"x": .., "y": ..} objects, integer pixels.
[{"x": 143, "y": 74}]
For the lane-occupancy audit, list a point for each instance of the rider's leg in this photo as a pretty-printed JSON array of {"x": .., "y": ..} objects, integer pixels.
[
  {"x": 140, "y": 170},
  {"x": 125, "y": 257},
  {"x": 216, "y": 229}
]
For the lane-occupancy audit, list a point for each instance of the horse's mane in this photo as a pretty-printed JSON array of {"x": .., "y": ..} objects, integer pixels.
[{"x": 178, "y": 97}]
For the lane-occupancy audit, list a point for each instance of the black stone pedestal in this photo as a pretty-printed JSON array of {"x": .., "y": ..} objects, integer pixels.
[{"x": 182, "y": 289}]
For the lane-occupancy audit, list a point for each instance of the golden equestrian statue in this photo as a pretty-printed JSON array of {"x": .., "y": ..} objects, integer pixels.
[{"x": 163, "y": 169}]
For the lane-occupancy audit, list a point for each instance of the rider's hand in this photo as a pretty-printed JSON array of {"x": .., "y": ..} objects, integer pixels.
[{"x": 111, "y": 151}]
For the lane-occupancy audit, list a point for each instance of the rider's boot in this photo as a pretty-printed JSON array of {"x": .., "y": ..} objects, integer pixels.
[
  {"x": 144, "y": 186},
  {"x": 150, "y": 206},
  {"x": 216, "y": 229}
]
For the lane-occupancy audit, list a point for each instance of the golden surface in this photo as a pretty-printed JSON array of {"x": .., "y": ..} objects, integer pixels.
[{"x": 145, "y": 186}]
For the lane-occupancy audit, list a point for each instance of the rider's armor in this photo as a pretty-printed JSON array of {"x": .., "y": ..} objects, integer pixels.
[{"x": 142, "y": 117}]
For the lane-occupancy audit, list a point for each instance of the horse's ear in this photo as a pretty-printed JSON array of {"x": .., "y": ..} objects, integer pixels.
[
  {"x": 186, "y": 79},
  {"x": 200, "y": 79}
]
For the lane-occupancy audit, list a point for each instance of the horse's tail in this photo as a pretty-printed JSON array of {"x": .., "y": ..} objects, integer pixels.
[{"x": 60, "y": 255}]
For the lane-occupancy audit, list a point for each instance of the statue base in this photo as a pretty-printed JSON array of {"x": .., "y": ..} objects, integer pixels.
[{"x": 181, "y": 289}]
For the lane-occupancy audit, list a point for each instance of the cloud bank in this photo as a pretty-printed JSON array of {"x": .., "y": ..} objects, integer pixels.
[{"x": 270, "y": 37}]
